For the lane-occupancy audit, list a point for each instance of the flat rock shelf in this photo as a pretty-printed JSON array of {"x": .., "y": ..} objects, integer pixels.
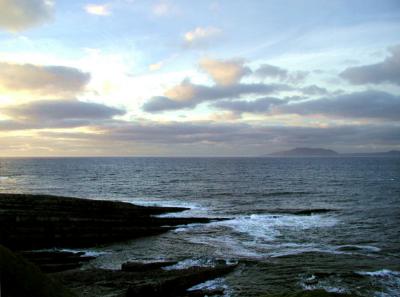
[{"x": 42, "y": 221}]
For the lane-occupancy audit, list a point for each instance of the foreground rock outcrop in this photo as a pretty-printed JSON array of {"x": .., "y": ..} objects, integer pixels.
[
  {"x": 56, "y": 261},
  {"x": 41, "y": 221},
  {"x": 151, "y": 281},
  {"x": 20, "y": 278},
  {"x": 312, "y": 293}
]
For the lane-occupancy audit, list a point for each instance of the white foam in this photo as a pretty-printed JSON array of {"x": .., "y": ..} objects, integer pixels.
[
  {"x": 193, "y": 209},
  {"x": 87, "y": 253},
  {"x": 369, "y": 248},
  {"x": 255, "y": 236},
  {"x": 185, "y": 228},
  {"x": 268, "y": 227},
  {"x": 287, "y": 249},
  {"x": 94, "y": 253},
  {"x": 162, "y": 203},
  {"x": 209, "y": 285},
  {"x": 326, "y": 288},
  {"x": 380, "y": 273},
  {"x": 187, "y": 263},
  {"x": 326, "y": 285},
  {"x": 389, "y": 280},
  {"x": 214, "y": 284},
  {"x": 228, "y": 245}
]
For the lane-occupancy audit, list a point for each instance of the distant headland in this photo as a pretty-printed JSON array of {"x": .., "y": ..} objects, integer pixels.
[{"x": 321, "y": 152}]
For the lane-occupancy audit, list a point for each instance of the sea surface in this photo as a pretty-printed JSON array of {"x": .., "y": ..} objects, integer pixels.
[{"x": 353, "y": 246}]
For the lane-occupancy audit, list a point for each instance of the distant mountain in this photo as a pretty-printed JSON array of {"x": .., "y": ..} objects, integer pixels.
[
  {"x": 320, "y": 152},
  {"x": 306, "y": 151},
  {"x": 392, "y": 153}
]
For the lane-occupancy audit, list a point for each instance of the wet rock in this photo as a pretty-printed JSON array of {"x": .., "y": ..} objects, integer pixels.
[
  {"x": 176, "y": 285},
  {"x": 142, "y": 266},
  {"x": 203, "y": 293},
  {"x": 311, "y": 293},
  {"x": 309, "y": 212},
  {"x": 147, "y": 283},
  {"x": 55, "y": 261}
]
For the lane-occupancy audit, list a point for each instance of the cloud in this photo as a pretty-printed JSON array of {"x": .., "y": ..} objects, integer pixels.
[
  {"x": 18, "y": 15},
  {"x": 387, "y": 71},
  {"x": 188, "y": 95},
  {"x": 210, "y": 138},
  {"x": 261, "y": 105},
  {"x": 359, "y": 105},
  {"x": 156, "y": 66},
  {"x": 163, "y": 8},
  {"x": 44, "y": 80},
  {"x": 227, "y": 75},
  {"x": 314, "y": 90},
  {"x": 56, "y": 114},
  {"x": 98, "y": 9},
  {"x": 224, "y": 72},
  {"x": 281, "y": 74},
  {"x": 201, "y": 36},
  {"x": 267, "y": 70},
  {"x": 162, "y": 103},
  {"x": 366, "y": 104}
]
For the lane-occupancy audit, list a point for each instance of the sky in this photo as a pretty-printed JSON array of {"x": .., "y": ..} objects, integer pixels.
[{"x": 198, "y": 78}]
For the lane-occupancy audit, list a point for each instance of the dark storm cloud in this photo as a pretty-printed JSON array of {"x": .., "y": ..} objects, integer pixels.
[
  {"x": 188, "y": 95},
  {"x": 367, "y": 104},
  {"x": 387, "y": 71},
  {"x": 56, "y": 114}
]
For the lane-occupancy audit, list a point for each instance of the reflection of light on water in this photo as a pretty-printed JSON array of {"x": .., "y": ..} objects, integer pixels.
[
  {"x": 7, "y": 180},
  {"x": 12, "y": 185}
]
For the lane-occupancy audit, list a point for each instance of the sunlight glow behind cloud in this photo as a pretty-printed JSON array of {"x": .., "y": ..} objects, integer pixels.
[{"x": 97, "y": 9}]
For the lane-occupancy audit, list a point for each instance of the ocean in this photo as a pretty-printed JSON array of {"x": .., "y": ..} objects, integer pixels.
[{"x": 350, "y": 242}]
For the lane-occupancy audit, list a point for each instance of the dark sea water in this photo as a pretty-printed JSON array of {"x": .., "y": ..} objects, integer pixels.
[{"x": 354, "y": 248}]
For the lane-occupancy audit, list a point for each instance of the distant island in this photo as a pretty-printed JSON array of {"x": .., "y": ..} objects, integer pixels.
[
  {"x": 393, "y": 153},
  {"x": 321, "y": 152},
  {"x": 306, "y": 151}
]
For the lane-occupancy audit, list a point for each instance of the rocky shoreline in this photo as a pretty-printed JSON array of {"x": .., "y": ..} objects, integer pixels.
[
  {"x": 31, "y": 222},
  {"x": 42, "y": 221}
]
